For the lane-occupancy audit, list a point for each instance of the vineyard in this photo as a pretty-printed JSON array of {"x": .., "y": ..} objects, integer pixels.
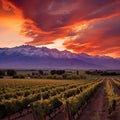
[{"x": 32, "y": 99}]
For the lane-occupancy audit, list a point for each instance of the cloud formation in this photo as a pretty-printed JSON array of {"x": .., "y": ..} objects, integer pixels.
[
  {"x": 90, "y": 26},
  {"x": 100, "y": 37}
]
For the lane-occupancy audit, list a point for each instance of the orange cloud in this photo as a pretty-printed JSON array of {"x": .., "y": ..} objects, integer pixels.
[
  {"x": 90, "y": 26},
  {"x": 100, "y": 37},
  {"x": 11, "y": 20}
]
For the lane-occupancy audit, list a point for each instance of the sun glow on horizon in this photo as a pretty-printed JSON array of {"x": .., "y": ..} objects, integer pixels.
[
  {"x": 9, "y": 32},
  {"x": 56, "y": 44}
]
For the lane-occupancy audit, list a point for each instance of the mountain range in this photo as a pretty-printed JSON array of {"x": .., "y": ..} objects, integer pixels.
[{"x": 30, "y": 57}]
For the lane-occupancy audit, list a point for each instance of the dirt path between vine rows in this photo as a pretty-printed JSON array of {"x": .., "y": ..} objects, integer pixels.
[
  {"x": 60, "y": 116},
  {"x": 116, "y": 113},
  {"x": 97, "y": 108}
]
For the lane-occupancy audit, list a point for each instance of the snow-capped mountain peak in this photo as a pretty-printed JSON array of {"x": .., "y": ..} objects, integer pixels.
[{"x": 30, "y": 56}]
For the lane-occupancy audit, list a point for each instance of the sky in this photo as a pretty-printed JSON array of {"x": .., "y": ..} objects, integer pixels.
[{"x": 80, "y": 26}]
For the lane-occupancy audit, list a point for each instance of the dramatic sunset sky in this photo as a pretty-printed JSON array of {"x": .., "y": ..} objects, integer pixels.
[{"x": 80, "y": 26}]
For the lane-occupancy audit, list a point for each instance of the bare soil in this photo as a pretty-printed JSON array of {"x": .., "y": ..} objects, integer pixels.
[
  {"x": 25, "y": 115},
  {"x": 116, "y": 114},
  {"x": 97, "y": 108},
  {"x": 60, "y": 116}
]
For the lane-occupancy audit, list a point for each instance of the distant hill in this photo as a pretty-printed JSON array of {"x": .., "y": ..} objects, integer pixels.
[{"x": 29, "y": 57}]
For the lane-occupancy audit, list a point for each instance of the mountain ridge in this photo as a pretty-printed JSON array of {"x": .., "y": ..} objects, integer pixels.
[{"x": 31, "y": 57}]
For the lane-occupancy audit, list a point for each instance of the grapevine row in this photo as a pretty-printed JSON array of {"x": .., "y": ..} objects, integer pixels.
[{"x": 111, "y": 96}]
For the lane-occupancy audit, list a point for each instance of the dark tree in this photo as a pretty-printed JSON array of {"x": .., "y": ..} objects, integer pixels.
[
  {"x": 40, "y": 72},
  {"x": 2, "y": 73},
  {"x": 58, "y": 72},
  {"x": 53, "y": 72},
  {"x": 11, "y": 72},
  {"x": 77, "y": 72}
]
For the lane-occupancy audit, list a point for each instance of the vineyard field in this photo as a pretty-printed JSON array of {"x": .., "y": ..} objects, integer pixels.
[{"x": 35, "y": 99}]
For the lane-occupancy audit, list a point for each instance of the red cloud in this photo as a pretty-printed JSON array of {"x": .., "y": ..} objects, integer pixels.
[
  {"x": 101, "y": 37},
  {"x": 46, "y": 20}
]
